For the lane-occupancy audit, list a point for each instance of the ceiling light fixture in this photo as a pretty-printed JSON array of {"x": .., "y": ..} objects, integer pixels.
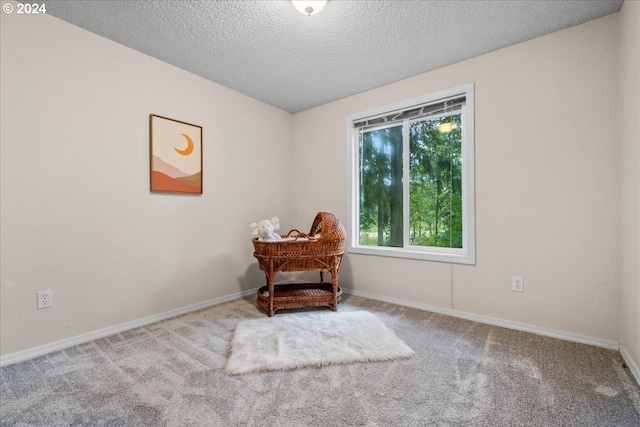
[{"x": 309, "y": 7}]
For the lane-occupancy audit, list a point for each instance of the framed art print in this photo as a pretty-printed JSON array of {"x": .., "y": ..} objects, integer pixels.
[{"x": 176, "y": 155}]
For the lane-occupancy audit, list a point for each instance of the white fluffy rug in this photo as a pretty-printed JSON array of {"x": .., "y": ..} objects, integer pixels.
[{"x": 292, "y": 341}]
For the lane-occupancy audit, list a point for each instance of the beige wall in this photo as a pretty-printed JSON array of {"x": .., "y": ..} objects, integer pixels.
[
  {"x": 547, "y": 182},
  {"x": 77, "y": 214},
  {"x": 630, "y": 171}
]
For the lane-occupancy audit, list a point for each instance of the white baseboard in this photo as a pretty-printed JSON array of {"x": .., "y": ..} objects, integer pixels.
[
  {"x": 490, "y": 320},
  {"x": 68, "y": 342},
  {"x": 630, "y": 363}
]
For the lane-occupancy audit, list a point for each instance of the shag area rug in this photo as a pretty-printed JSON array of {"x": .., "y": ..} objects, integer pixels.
[{"x": 293, "y": 341}]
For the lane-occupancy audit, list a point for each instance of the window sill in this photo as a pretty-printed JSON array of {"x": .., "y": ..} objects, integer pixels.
[{"x": 458, "y": 257}]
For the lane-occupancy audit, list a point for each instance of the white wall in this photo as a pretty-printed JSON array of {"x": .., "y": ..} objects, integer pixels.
[
  {"x": 77, "y": 216},
  {"x": 630, "y": 172},
  {"x": 546, "y": 184}
]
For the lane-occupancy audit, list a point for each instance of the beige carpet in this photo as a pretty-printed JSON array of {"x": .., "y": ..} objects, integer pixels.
[{"x": 463, "y": 373}]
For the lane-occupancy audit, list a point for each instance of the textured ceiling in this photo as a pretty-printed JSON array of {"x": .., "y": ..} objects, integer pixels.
[{"x": 271, "y": 52}]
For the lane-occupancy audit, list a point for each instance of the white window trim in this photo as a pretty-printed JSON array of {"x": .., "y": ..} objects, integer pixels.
[{"x": 466, "y": 255}]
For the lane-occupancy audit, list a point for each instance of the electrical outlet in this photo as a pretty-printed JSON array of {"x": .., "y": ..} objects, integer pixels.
[
  {"x": 517, "y": 284},
  {"x": 45, "y": 299}
]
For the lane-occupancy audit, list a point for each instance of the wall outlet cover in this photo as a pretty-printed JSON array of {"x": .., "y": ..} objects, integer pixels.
[{"x": 517, "y": 284}]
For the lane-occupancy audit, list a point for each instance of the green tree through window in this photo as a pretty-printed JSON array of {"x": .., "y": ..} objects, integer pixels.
[
  {"x": 435, "y": 185},
  {"x": 381, "y": 187}
]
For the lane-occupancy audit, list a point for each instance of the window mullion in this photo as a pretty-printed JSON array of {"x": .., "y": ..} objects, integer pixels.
[{"x": 406, "y": 184}]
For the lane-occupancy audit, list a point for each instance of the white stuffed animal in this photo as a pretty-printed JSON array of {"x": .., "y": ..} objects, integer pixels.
[{"x": 265, "y": 229}]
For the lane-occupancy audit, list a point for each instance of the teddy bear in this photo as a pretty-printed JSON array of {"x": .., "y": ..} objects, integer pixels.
[{"x": 265, "y": 229}]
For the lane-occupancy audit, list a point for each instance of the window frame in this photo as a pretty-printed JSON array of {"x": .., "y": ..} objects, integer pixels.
[{"x": 465, "y": 255}]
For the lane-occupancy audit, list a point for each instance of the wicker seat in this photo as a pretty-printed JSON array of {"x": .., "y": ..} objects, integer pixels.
[{"x": 321, "y": 249}]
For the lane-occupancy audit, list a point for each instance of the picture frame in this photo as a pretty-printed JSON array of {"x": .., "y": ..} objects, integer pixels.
[{"x": 175, "y": 156}]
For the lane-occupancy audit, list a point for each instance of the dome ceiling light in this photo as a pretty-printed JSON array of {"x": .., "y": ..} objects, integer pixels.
[{"x": 309, "y": 7}]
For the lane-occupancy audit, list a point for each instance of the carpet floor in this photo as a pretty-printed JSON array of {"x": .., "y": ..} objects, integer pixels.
[{"x": 463, "y": 373}]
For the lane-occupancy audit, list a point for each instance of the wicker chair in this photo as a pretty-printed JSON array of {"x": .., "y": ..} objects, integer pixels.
[{"x": 321, "y": 249}]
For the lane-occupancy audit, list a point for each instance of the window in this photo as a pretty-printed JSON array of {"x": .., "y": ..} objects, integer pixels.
[{"x": 412, "y": 179}]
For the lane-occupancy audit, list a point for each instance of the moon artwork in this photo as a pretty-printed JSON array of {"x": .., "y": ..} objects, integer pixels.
[{"x": 176, "y": 155}]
